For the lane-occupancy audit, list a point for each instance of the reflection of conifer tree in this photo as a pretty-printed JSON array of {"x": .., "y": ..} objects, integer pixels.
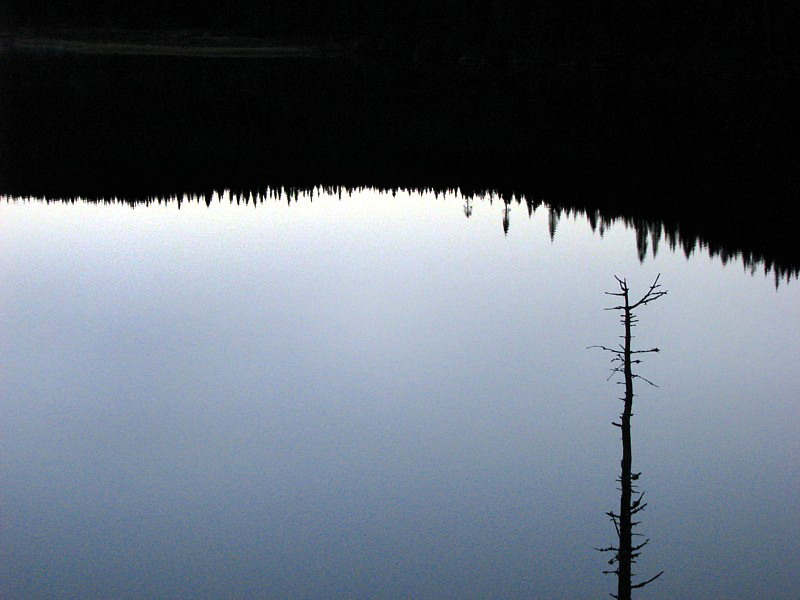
[
  {"x": 506, "y": 217},
  {"x": 592, "y": 216},
  {"x": 552, "y": 222},
  {"x": 688, "y": 244},
  {"x": 468, "y": 208},
  {"x": 625, "y": 553},
  {"x": 641, "y": 239},
  {"x": 655, "y": 236}
]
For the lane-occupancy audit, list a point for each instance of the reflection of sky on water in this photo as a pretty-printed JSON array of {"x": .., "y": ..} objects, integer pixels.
[{"x": 377, "y": 396}]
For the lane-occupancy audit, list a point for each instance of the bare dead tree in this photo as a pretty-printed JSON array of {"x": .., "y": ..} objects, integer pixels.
[{"x": 625, "y": 553}]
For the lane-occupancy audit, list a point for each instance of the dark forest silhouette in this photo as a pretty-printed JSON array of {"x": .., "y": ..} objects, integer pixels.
[
  {"x": 625, "y": 553},
  {"x": 681, "y": 119}
]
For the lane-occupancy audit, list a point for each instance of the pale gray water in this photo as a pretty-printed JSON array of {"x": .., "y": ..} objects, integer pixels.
[{"x": 377, "y": 397}]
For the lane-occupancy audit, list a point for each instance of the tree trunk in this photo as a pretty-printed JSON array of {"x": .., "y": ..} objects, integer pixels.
[
  {"x": 625, "y": 499},
  {"x": 625, "y": 553}
]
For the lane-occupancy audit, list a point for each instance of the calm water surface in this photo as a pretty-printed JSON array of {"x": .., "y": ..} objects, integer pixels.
[{"x": 377, "y": 397}]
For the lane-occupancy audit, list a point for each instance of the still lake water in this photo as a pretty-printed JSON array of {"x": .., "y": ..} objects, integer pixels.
[{"x": 377, "y": 397}]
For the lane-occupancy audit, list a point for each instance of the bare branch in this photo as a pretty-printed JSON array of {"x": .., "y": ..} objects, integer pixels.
[
  {"x": 644, "y": 583},
  {"x": 651, "y": 295},
  {"x": 645, "y": 380},
  {"x": 605, "y": 348}
]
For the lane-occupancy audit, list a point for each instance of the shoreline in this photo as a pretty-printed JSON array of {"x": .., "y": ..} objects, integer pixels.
[{"x": 145, "y": 43}]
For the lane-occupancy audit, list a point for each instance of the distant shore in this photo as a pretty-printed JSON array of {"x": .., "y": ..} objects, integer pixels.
[
  {"x": 425, "y": 53},
  {"x": 145, "y": 43}
]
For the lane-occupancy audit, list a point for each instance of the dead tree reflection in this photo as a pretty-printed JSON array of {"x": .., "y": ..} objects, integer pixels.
[{"x": 625, "y": 553}]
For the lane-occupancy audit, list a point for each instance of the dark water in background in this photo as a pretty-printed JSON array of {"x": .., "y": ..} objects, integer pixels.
[{"x": 373, "y": 395}]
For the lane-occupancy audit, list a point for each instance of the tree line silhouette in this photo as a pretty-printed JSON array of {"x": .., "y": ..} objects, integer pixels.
[
  {"x": 707, "y": 149},
  {"x": 717, "y": 161}
]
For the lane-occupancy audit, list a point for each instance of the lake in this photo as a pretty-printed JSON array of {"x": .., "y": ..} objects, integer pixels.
[
  {"x": 364, "y": 394},
  {"x": 319, "y": 327}
]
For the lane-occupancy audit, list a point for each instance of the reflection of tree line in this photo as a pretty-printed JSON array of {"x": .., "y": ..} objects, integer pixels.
[
  {"x": 650, "y": 233},
  {"x": 713, "y": 157},
  {"x": 702, "y": 152}
]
